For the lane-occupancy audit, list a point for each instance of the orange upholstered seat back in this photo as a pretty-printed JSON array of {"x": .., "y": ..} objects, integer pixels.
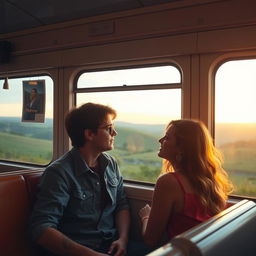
[{"x": 14, "y": 213}]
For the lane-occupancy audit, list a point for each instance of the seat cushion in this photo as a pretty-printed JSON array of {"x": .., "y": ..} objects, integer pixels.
[{"x": 14, "y": 213}]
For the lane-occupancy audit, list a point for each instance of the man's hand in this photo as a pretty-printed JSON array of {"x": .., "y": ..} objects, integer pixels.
[
  {"x": 100, "y": 254},
  {"x": 118, "y": 248}
]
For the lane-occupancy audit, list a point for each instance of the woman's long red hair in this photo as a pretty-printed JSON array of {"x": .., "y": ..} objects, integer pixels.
[{"x": 201, "y": 163}]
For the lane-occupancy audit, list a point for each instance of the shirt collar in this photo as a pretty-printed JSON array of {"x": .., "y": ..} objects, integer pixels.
[{"x": 80, "y": 164}]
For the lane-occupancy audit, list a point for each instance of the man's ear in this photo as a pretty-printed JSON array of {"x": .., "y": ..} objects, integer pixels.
[{"x": 88, "y": 134}]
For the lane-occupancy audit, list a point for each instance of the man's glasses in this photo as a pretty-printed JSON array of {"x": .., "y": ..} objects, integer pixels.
[{"x": 110, "y": 128}]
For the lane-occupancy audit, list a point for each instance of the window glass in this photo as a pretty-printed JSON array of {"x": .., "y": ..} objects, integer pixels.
[
  {"x": 130, "y": 77},
  {"x": 235, "y": 122},
  {"x": 142, "y": 116},
  {"x": 26, "y": 124}
]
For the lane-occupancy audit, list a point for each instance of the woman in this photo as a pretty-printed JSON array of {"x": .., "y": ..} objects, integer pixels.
[{"x": 194, "y": 186}]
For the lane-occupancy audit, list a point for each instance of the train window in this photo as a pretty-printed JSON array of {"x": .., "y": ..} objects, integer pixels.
[
  {"x": 146, "y": 99},
  {"x": 130, "y": 77},
  {"x": 235, "y": 122},
  {"x": 26, "y": 124}
]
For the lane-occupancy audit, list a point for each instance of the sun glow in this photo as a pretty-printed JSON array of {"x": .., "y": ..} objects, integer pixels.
[
  {"x": 235, "y": 92},
  {"x": 142, "y": 107}
]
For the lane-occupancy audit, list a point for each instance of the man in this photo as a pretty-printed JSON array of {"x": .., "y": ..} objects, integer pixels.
[
  {"x": 81, "y": 208},
  {"x": 33, "y": 106}
]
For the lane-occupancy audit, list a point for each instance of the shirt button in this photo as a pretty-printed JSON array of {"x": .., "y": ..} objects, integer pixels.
[
  {"x": 98, "y": 183},
  {"x": 83, "y": 195}
]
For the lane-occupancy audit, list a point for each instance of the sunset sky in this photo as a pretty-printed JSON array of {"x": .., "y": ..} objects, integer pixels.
[{"x": 235, "y": 95}]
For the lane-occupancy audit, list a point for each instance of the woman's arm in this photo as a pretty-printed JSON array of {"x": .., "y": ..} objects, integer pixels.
[{"x": 155, "y": 220}]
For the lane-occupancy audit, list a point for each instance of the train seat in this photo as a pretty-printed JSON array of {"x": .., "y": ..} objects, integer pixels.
[
  {"x": 17, "y": 195},
  {"x": 32, "y": 181},
  {"x": 231, "y": 232},
  {"x": 14, "y": 212}
]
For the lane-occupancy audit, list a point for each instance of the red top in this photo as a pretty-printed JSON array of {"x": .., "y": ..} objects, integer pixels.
[{"x": 193, "y": 213}]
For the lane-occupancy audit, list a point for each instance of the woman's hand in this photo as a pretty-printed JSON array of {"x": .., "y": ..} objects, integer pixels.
[{"x": 145, "y": 211}]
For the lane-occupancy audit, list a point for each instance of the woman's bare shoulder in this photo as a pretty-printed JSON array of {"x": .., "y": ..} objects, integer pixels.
[{"x": 167, "y": 180}]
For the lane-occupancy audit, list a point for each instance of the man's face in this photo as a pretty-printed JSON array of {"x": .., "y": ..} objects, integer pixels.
[{"x": 104, "y": 138}]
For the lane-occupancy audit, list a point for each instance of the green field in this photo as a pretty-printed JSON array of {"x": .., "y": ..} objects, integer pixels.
[
  {"x": 25, "y": 149},
  {"x": 244, "y": 184},
  {"x": 137, "y": 162},
  {"x": 240, "y": 162},
  {"x": 240, "y": 156}
]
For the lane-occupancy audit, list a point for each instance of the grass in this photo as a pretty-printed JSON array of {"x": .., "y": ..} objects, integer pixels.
[
  {"x": 25, "y": 149},
  {"x": 240, "y": 157},
  {"x": 244, "y": 185},
  {"x": 240, "y": 160}
]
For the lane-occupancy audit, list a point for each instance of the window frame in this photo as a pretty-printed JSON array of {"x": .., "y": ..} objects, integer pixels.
[
  {"x": 127, "y": 87},
  {"x": 165, "y": 86},
  {"x": 217, "y": 65},
  {"x": 24, "y": 76}
]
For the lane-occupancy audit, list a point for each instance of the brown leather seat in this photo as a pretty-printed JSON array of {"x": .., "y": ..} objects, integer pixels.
[
  {"x": 17, "y": 196},
  {"x": 32, "y": 182},
  {"x": 14, "y": 213}
]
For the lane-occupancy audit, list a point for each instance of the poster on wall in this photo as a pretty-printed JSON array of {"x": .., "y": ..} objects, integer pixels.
[{"x": 33, "y": 101}]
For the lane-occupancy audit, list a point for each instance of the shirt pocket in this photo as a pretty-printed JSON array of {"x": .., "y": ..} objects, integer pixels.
[
  {"x": 112, "y": 183},
  {"x": 81, "y": 202}
]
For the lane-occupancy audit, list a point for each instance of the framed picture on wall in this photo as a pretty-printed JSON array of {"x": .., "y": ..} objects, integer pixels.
[{"x": 33, "y": 101}]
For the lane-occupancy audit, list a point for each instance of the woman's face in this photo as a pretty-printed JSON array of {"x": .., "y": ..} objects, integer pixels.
[{"x": 168, "y": 149}]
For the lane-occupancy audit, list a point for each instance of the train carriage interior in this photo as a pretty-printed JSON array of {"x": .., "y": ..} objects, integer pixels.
[
  {"x": 20, "y": 15},
  {"x": 153, "y": 61}
]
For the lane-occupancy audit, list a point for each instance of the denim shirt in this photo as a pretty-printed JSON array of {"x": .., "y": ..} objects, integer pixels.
[{"x": 69, "y": 200}]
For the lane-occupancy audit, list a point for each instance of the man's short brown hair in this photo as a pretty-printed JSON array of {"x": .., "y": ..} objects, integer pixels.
[{"x": 87, "y": 116}]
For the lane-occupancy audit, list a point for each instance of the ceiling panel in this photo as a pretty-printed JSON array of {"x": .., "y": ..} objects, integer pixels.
[{"x": 17, "y": 15}]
